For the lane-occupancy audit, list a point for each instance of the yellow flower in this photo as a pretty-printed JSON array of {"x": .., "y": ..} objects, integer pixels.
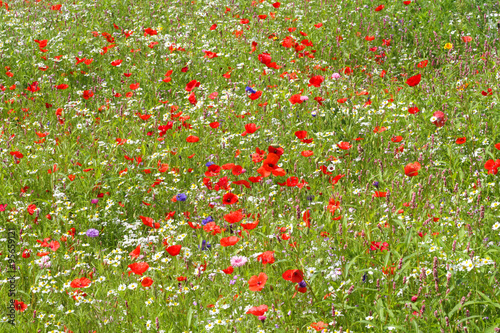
[{"x": 448, "y": 46}]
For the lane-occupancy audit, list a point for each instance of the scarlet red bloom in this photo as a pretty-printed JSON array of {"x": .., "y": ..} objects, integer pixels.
[
  {"x": 413, "y": 110},
  {"x": 249, "y": 129},
  {"x": 440, "y": 119},
  {"x": 295, "y": 99},
  {"x": 234, "y": 217},
  {"x": 423, "y": 64},
  {"x": 229, "y": 199},
  {"x": 192, "y": 138},
  {"x": 319, "y": 326},
  {"x": 80, "y": 283},
  {"x": 255, "y": 95},
  {"x": 229, "y": 241},
  {"x": 138, "y": 268},
  {"x": 414, "y": 80},
  {"x": 344, "y": 145},
  {"x": 87, "y": 94},
  {"x": 228, "y": 270},
  {"x": 488, "y": 93},
  {"x": 19, "y": 305},
  {"x": 307, "y": 153},
  {"x": 146, "y": 282},
  {"x": 192, "y": 84},
  {"x": 301, "y": 134},
  {"x": 269, "y": 166},
  {"x": 397, "y": 139},
  {"x": 411, "y": 169},
  {"x": 257, "y": 283},
  {"x": 461, "y": 140},
  {"x": 467, "y": 39},
  {"x": 136, "y": 252},
  {"x": 492, "y": 166},
  {"x": 62, "y": 86},
  {"x": 258, "y": 310},
  {"x": 379, "y": 8},
  {"x": 316, "y": 81},
  {"x": 266, "y": 257},
  {"x": 174, "y": 250},
  {"x": 379, "y": 246},
  {"x": 149, "y": 222},
  {"x": 293, "y": 275}
]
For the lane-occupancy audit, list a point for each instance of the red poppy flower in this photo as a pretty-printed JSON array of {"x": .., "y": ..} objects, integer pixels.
[
  {"x": 62, "y": 86},
  {"x": 19, "y": 306},
  {"x": 441, "y": 118},
  {"x": 295, "y": 99},
  {"x": 316, "y": 81},
  {"x": 136, "y": 252},
  {"x": 301, "y": 134},
  {"x": 396, "y": 139},
  {"x": 413, "y": 110},
  {"x": 414, "y": 80},
  {"x": 249, "y": 129},
  {"x": 26, "y": 254},
  {"x": 192, "y": 84},
  {"x": 229, "y": 241},
  {"x": 266, "y": 257},
  {"x": 497, "y": 146},
  {"x": 492, "y": 166},
  {"x": 213, "y": 27},
  {"x": 320, "y": 326},
  {"x": 146, "y": 282},
  {"x": 307, "y": 153},
  {"x": 116, "y": 62},
  {"x": 378, "y": 194},
  {"x": 411, "y": 169},
  {"x": 229, "y": 199},
  {"x": 255, "y": 95},
  {"x": 174, "y": 250},
  {"x": 369, "y": 38},
  {"x": 192, "y": 138},
  {"x": 80, "y": 283},
  {"x": 149, "y": 222},
  {"x": 257, "y": 283},
  {"x": 244, "y": 21},
  {"x": 293, "y": 275},
  {"x": 192, "y": 99},
  {"x": 258, "y": 310},
  {"x": 228, "y": 270},
  {"x": 379, "y": 8},
  {"x": 379, "y": 246},
  {"x": 269, "y": 166},
  {"x": 461, "y": 141},
  {"x": 423, "y": 64},
  {"x": 342, "y": 100},
  {"x": 138, "y": 268},
  {"x": 234, "y": 217},
  {"x": 87, "y": 94},
  {"x": 150, "y": 32},
  {"x": 488, "y": 93},
  {"x": 344, "y": 145},
  {"x": 467, "y": 39}
]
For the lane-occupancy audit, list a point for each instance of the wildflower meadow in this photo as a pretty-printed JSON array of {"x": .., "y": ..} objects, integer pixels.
[{"x": 249, "y": 166}]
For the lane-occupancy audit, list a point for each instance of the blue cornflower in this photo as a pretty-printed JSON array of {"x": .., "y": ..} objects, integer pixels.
[
  {"x": 250, "y": 90},
  {"x": 181, "y": 197},
  {"x": 207, "y": 220}
]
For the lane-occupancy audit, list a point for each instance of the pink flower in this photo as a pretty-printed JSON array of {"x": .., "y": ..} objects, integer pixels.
[{"x": 238, "y": 261}]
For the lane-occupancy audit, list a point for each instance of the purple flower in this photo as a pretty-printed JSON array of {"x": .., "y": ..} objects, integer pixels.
[
  {"x": 181, "y": 197},
  {"x": 92, "y": 233},
  {"x": 302, "y": 284},
  {"x": 94, "y": 201}
]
